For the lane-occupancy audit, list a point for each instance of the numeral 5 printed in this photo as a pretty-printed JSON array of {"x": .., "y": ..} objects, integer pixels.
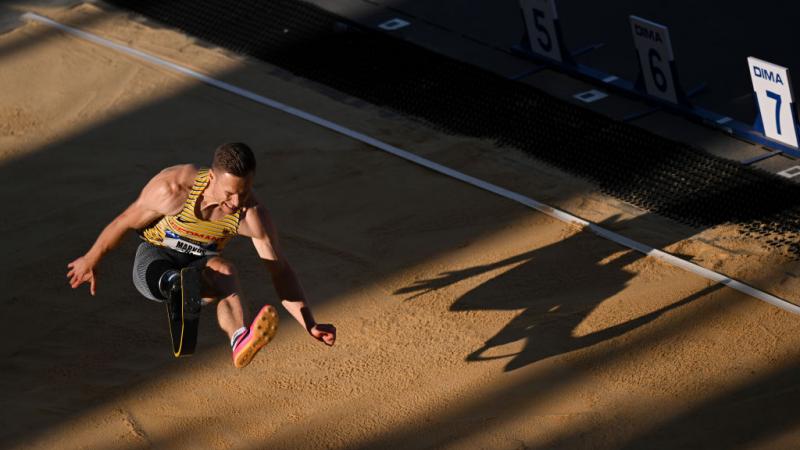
[{"x": 547, "y": 44}]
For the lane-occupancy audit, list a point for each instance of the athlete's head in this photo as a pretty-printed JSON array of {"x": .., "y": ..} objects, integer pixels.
[{"x": 231, "y": 176}]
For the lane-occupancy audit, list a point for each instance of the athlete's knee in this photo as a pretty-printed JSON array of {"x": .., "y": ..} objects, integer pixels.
[
  {"x": 221, "y": 266},
  {"x": 220, "y": 278}
]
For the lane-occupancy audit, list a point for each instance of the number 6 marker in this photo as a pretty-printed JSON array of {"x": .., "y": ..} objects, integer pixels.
[
  {"x": 776, "y": 115},
  {"x": 656, "y": 61}
]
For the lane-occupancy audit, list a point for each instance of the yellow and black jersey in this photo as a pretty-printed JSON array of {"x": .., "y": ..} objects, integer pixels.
[{"x": 187, "y": 233}]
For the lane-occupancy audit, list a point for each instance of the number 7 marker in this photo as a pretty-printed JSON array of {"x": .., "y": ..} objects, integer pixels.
[{"x": 773, "y": 93}]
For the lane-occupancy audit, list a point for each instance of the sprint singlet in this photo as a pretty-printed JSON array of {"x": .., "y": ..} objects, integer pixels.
[{"x": 186, "y": 233}]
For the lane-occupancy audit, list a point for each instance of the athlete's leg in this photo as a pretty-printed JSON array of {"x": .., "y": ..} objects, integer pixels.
[
  {"x": 149, "y": 269},
  {"x": 222, "y": 282}
]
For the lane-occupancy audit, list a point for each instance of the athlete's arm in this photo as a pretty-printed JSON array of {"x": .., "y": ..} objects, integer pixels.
[
  {"x": 160, "y": 196},
  {"x": 257, "y": 225}
]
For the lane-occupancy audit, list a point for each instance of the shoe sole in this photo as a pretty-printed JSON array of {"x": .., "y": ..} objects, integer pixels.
[{"x": 264, "y": 328}]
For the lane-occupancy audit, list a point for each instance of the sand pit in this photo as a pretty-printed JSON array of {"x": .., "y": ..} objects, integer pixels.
[{"x": 465, "y": 320}]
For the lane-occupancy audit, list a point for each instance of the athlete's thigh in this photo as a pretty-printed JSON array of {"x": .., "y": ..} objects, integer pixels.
[{"x": 149, "y": 265}]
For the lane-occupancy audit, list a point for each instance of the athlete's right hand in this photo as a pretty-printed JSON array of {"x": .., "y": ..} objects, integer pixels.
[{"x": 81, "y": 271}]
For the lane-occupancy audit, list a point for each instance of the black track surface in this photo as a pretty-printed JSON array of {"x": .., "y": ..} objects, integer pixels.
[{"x": 668, "y": 178}]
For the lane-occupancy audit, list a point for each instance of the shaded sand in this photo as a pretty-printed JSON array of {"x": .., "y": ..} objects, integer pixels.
[{"x": 465, "y": 320}]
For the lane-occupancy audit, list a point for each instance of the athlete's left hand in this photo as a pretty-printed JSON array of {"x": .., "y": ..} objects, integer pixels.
[
  {"x": 324, "y": 332},
  {"x": 81, "y": 271}
]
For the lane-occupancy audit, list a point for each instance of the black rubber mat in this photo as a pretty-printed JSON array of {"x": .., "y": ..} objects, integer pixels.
[{"x": 666, "y": 177}]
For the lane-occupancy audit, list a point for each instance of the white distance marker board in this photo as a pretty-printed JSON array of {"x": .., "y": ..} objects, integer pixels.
[
  {"x": 540, "y": 21},
  {"x": 655, "y": 58},
  {"x": 775, "y": 100}
]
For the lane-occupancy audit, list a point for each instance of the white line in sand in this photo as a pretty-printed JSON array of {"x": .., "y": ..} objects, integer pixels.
[{"x": 527, "y": 201}]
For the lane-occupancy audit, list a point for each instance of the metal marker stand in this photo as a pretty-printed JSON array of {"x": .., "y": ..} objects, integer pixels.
[{"x": 564, "y": 62}]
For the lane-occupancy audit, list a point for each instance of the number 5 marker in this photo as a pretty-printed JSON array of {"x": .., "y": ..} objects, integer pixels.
[{"x": 541, "y": 28}]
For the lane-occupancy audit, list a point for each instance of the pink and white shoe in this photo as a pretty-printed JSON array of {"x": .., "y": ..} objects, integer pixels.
[{"x": 258, "y": 335}]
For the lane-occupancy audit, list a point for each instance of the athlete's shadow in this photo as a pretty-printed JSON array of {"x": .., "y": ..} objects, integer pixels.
[{"x": 557, "y": 287}]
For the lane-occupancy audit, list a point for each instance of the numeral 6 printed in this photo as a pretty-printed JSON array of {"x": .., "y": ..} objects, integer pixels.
[{"x": 658, "y": 75}]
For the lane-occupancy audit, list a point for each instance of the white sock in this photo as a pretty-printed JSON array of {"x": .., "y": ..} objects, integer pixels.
[{"x": 236, "y": 335}]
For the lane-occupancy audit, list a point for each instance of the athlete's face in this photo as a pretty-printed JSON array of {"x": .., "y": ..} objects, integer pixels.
[{"x": 229, "y": 190}]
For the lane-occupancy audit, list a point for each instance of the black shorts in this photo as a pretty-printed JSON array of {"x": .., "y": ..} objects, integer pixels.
[{"x": 151, "y": 262}]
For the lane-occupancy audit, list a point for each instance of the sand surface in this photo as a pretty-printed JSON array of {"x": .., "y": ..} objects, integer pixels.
[{"x": 465, "y": 320}]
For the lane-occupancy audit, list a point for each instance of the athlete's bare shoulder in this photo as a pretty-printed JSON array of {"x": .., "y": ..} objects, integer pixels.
[
  {"x": 251, "y": 202},
  {"x": 253, "y": 218},
  {"x": 251, "y": 205},
  {"x": 167, "y": 191},
  {"x": 179, "y": 177}
]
